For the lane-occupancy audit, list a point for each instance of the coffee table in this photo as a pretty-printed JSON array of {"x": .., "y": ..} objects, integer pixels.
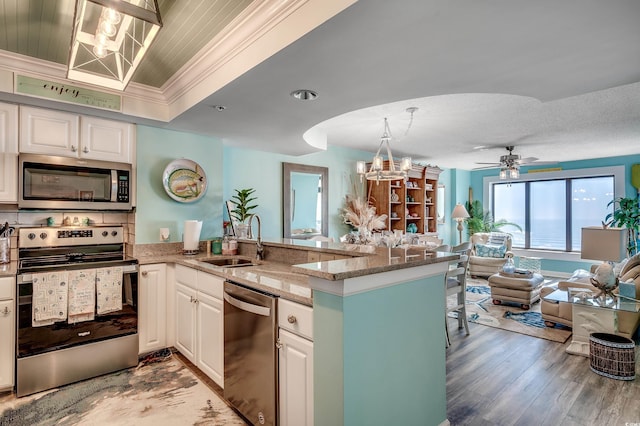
[{"x": 591, "y": 315}]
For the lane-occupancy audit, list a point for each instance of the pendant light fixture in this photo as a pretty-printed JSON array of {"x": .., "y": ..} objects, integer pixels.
[
  {"x": 377, "y": 170},
  {"x": 110, "y": 37}
]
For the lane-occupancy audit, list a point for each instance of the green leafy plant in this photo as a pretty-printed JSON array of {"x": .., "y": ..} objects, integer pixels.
[
  {"x": 482, "y": 220},
  {"x": 242, "y": 200},
  {"x": 626, "y": 215}
]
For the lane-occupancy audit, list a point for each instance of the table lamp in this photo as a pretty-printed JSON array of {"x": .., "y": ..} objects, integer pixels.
[
  {"x": 459, "y": 215},
  {"x": 606, "y": 244}
]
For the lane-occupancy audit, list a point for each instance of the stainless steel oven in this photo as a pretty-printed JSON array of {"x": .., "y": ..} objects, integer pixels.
[{"x": 61, "y": 351}]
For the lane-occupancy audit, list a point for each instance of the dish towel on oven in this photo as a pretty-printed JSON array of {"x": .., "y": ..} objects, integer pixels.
[
  {"x": 49, "y": 301},
  {"x": 82, "y": 295},
  {"x": 109, "y": 289}
]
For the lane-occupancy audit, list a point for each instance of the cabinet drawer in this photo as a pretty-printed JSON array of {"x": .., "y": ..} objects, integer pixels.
[
  {"x": 210, "y": 284},
  {"x": 7, "y": 288},
  {"x": 187, "y": 276},
  {"x": 296, "y": 318}
]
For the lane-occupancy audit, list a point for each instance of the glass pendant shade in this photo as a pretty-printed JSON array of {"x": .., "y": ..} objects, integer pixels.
[{"x": 110, "y": 39}]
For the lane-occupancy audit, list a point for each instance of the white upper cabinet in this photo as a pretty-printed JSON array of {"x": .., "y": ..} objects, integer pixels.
[
  {"x": 8, "y": 153},
  {"x": 44, "y": 131},
  {"x": 106, "y": 139}
]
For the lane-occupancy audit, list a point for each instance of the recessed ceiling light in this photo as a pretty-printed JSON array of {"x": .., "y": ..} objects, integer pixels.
[
  {"x": 304, "y": 94},
  {"x": 219, "y": 107}
]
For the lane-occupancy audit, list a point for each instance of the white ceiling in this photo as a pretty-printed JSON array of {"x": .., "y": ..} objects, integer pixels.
[{"x": 559, "y": 79}]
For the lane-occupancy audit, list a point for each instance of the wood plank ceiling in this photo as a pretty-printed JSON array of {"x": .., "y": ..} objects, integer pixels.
[{"x": 42, "y": 29}]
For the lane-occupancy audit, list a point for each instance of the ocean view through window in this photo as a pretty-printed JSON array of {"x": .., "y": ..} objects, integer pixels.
[{"x": 551, "y": 210}]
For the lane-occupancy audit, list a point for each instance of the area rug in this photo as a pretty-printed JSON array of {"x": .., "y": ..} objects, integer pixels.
[
  {"x": 481, "y": 310},
  {"x": 158, "y": 392}
]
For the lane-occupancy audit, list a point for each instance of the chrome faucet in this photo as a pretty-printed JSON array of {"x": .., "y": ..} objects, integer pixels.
[{"x": 259, "y": 246}]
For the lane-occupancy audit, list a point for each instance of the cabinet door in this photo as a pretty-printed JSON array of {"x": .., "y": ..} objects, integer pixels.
[
  {"x": 106, "y": 140},
  {"x": 296, "y": 380},
  {"x": 186, "y": 321},
  {"x": 8, "y": 153},
  {"x": 44, "y": 131},
  {"x": 152, "y": 308},
  {"x": 210, "y": 339},
  {"x": 7, "y": 348}
]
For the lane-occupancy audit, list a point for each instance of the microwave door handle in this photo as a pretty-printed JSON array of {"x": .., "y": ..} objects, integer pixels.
[{"x": 114, "y": 186}]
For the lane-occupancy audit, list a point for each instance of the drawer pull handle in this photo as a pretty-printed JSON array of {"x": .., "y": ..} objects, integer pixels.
[
  {"x": 144, "y": 273},
  {"x": 292, "y": 319},
  {"x": 6, "y": 311}
]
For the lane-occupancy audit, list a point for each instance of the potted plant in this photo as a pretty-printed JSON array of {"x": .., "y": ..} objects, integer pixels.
[
  {"x": 482, "y": 220},
  {"x": 242, "y": 200},
  {"x": 627, "y": 215}
]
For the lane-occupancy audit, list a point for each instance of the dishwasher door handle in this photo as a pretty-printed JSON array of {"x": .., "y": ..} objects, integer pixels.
[{"x": 249, "y": 307}]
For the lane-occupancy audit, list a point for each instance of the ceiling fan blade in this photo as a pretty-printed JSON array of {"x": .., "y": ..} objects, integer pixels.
[
  {"x": 527, "y": 160},
  {"x": 495, "y": 164},
  {"x": 540, "y": 163},
  {"x": 486, "y": 167}
]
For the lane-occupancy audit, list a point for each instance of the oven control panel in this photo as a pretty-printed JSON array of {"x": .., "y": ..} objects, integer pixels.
[{"x": 69, "y": 236}]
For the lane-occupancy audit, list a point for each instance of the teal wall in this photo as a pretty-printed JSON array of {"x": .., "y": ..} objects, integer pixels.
[
  {"x": 244, "y": 168},
  {"x": 379, "y": 356},
  {"x": 227, "y": 168},
  {"x": 476, "y": 183},
  {"x": 156, "y": 148}
]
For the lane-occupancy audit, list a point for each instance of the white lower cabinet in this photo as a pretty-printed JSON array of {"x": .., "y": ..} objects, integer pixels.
[
  {"x": 199, "y": 320},
  {"x": 7, "y": 331},
  {"x": 152, "y": 308},
  {"x": 295, "y": 360}
]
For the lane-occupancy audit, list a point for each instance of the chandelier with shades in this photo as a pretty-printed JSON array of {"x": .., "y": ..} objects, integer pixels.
[
  {"x": 377, "y": 170},
  {"x": 110, "y": 37}
]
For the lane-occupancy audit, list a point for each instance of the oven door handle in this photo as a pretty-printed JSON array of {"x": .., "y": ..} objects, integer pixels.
[{"x": 28, "y": 277}]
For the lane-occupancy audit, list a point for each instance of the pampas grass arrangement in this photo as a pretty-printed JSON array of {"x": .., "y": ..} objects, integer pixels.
[{"x": 362, "y": 216}]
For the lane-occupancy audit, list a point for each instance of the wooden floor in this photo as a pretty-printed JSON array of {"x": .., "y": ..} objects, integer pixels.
[{"x": 497, "y": 377}]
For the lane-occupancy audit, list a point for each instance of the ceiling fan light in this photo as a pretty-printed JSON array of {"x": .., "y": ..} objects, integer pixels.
[
  {"x": 514, "y": 173},
  {"x": 361, "y": 167},
  {"x": 503, "y": 173}
]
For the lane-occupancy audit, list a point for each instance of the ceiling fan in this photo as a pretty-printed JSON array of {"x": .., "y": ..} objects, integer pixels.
[{"x": 512, "y": 160}]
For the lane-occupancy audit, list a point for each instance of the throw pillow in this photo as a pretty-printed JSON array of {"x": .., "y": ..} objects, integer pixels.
[
  {"x": 497, "y": 239},
  {"x": 490, "y": 250}
]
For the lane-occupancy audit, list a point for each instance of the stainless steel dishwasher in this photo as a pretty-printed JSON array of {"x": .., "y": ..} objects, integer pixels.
[{"x": 250, "y": 358}]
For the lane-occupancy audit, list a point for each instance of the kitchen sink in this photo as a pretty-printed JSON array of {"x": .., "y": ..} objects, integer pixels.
[{"x": 229, "y": 262}]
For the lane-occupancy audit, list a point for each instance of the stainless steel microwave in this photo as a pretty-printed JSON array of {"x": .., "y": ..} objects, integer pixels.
[{"x": 48, "y": 182}]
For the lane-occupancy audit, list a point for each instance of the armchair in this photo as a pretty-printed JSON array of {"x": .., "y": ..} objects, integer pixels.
[
  {"x": 561, "y": 312},
  {"x": 489, "y": 251}
]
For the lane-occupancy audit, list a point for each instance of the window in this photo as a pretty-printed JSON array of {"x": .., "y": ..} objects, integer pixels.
[{"x": 551, "y": 210}]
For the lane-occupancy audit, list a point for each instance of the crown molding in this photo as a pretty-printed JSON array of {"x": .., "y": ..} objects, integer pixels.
[{"x": 260, "y": 31}]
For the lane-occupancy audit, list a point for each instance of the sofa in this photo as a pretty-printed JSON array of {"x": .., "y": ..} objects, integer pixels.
[
  {"x": 561, "y": 312},
  {"x": 489, "y": 251}
]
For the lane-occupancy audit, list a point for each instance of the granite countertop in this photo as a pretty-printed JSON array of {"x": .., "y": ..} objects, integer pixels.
[
  {"x": 271, "y": 277},
  {"x": 384, "y": 259},
  {"x": 292, "y": 282}
]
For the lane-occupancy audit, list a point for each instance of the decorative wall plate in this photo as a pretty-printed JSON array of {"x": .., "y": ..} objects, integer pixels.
[{"x": 184, "y": 180}]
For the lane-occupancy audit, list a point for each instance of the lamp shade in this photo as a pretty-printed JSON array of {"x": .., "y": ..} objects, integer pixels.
[
  {"x": 604, "y": 243},
  {"x": 459, "y": 212}
]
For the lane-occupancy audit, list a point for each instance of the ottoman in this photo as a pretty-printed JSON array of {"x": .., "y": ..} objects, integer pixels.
[{"x": 524, "y": 290}]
